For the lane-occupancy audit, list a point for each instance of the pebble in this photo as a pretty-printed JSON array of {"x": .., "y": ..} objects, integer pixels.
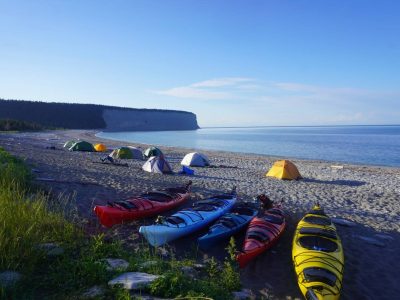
[
  {"x": 133, "y": 280},
  {"x": 9, "y": 278}
]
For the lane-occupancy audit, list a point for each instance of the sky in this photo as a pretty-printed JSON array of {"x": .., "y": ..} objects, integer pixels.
[{"x": 232, "y": 62}]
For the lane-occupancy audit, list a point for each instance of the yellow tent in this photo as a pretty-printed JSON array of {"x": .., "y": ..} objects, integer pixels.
[
  {"x": 100, "y": 147},
  {"x": 284, "y": 169}
]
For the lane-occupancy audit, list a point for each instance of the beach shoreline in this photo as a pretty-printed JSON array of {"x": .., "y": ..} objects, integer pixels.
[{"x": 367, "y": 195}]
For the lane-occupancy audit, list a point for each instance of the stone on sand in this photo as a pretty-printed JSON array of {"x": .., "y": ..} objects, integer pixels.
[
  {"x": 116, "y": 264},
  {"x": 133, "y": 280},
  {"x": 9, "y": 278}
]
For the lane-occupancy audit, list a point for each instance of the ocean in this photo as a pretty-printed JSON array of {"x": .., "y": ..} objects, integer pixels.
[{"x": 372, "y": 145}]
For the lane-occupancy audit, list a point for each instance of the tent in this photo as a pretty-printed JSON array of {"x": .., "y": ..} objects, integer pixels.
[
  {"x": 284, "y": 169},
  {"x": 127, "y": 153},
  {"x": 69, "y": 144},
  {"x": 136, "y": 152},
  {"x": 195, "y": 159},
  {"x": 100, "y": 147},
  {"x": 82, "y": 146},
  {"x": 157, "y": 164},
  {"x": 152, "y": 151}
]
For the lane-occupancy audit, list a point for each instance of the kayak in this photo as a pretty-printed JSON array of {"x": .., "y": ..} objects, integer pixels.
[
  {"x": 263, "y": 232},
  {"x": 188, "y": 220},
  {"x": 228, "y": 225},
  {"x": 318, "y": 258},
  {"x": 142, "y": 206}
]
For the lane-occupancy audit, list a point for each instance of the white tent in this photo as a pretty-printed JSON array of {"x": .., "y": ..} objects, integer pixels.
[
  {"x": 157, "y": 164},
  {"x": 195, "y": 159}
]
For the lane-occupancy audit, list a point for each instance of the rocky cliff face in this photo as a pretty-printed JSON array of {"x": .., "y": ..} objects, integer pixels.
[
  {"x": 147, "y": 120},
  {"x": 90, "y": 116}
]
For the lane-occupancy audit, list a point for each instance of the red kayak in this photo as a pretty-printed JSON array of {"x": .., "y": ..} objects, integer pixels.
[
  {"x": 263, "y": 232},
  {"x": 142, "y": 206}
]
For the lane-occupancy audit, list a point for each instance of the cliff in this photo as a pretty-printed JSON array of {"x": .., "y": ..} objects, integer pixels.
[{"x": 91, "y": 116}]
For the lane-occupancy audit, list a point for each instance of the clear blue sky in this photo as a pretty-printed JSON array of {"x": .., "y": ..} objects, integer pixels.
[{"x": 231, "y": 62}]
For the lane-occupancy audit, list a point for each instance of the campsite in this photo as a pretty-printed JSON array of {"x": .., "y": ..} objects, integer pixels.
[{"x": 340, "y": 191}]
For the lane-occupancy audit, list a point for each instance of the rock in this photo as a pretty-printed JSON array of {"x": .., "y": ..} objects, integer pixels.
[
  {"x": 199, "y": 266},
  {"x": 9, "y": 278},
  {"x": 189, "y": 272},
  {"x": 244, "y": 294},
  {"x": 343, "y": 222},
  {"x": 133, "y": 280},
  {"x": 116, "y": 264},
  {"x": 163, "y": 252},
  {"x": 93, "y": 292},
  {"x": 148, "y": 264},
  {"x": 372, "y": 241},
  {"x": 51, "y": 249}
]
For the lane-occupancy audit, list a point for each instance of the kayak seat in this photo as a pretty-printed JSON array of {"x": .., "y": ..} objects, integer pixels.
[
  {"x": 318, "y": 243},
  {"x": 331, "y": 234},
  {"x": 319, "y": 275},
  {"x": 243, "y": 211},
  {"x": 125, "y": 204},
  {"x": 158, "y": 196},
  {"x": 228, "y": 222},
  {"x": 323, "y": 221},
  {"x": 175, "y": 220},
  {"x": 204, "y": 207},
  {"x": 258, "y": 236},
  {"x": 274, "y": 219}
]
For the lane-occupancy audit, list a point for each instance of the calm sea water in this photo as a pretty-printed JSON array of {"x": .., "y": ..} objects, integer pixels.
[{"x": 377, "y": 145}]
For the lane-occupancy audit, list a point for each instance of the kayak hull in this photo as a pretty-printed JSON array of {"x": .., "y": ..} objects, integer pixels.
[
  {"x": 142, "y": 206},
  {"x": 318, "y": 257},
  {"x": 193, "y": 220},
  {"x": 262, "y": 234}
]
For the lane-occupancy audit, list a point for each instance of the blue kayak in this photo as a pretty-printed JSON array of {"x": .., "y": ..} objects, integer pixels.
[
  {"x": 228, "y": 225},
  {"x": 188, "y": 220}
]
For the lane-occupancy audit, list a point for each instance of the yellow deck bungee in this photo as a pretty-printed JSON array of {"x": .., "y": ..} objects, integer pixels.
[{"x": 317, "y": 256}]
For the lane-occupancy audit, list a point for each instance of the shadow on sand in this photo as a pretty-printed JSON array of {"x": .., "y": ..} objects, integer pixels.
[{"x": 336, "y": 182}]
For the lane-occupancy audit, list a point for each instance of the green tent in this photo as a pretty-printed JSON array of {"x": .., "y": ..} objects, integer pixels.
[
  {"x": 122, "y": 153},
  {"x": 69, "y": 144},
  {"x": 152, "y": 151},
  {"x": 82, "y": 146}
]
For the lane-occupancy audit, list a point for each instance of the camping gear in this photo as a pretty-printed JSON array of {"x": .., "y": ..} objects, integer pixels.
[
  {"x": 195, "y": 159},
  {"x": 284, "y": 169},
  {"x": 144, "y": 205},
  {"x": 186, "y": 171},
  {"x": 152, "y": 151},
  {"x": 188, "y": 220},
  {"x": 82, "y": 146},
  {"x": 317, "y": 255},
  {"x": 262, "y": 233},
  {"x": 100, "y": 148},
  {"x": 127, "y": 153},
  {"x": 229, "y": 224},
  {"x": 69, "y": 144},
  {"x": 157, "y": 164}
]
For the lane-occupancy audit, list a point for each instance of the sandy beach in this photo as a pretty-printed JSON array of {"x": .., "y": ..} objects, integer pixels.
[{"x": 369, "y": 196}]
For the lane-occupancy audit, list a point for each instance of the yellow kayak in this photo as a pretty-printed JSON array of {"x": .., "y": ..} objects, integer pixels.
[{"x": 318, "y": 256}]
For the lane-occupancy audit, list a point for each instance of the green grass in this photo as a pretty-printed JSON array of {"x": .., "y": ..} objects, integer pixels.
[{"x": 29, "y": 217}]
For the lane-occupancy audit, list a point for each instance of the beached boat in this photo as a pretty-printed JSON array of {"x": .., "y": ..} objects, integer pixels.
[
  {"x": 141, "y": 206},
  {"x": 318, "y": 258},
  {"x": 188, "y": 220},
  {"x": 263, "y": 232},
  {"x": 228, "y": 225}
]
